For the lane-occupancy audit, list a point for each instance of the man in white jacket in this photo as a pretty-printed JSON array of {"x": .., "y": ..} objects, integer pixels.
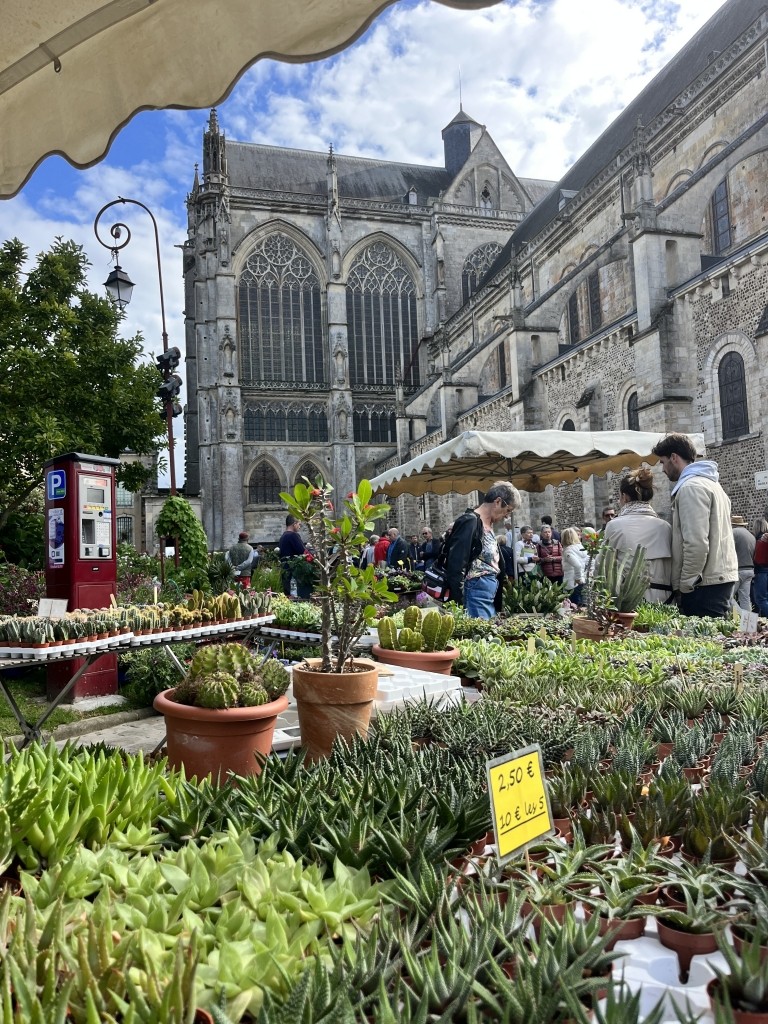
[{"x": 704, "y": 563}]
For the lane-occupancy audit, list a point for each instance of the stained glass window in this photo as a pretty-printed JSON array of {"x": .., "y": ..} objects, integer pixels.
[
  {"x": 264, "y": 485},
  {"x": 382, "y": 320},
  {"x": 733, "y": 396},
  {"x": 574, "y": 331},
  {"x": 280, "y": 309},
  {"x": 721, "y": 218},
  {"x": 633, "y": 414},
  {"x": 476, "y": 266}
]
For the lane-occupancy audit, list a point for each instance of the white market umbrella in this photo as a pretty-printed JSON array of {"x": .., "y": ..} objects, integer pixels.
[
  {"x": 73, "y": 72},
  {"x": 530, "y": 459}
]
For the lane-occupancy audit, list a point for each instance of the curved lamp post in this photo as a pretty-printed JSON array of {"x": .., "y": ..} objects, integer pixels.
[{"x": 120, "y": 287}]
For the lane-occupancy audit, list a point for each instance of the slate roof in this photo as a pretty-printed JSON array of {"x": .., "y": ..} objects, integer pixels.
[
  {"x": 726, "y": 25},
  {"x": 299, "y": 170}
]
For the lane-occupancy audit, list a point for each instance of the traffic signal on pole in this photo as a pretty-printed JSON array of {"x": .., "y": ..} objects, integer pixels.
[
  {"x": 169, "y": 389},
  {"x": 169, "y": 360}
]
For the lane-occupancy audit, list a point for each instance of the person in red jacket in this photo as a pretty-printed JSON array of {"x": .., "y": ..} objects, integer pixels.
[
  {"x": 380, "y": 550},
  {"x": 550, "y": 555}
]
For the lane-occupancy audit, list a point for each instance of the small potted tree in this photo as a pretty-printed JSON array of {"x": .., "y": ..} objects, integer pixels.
[{"x": 335, "y": 693}]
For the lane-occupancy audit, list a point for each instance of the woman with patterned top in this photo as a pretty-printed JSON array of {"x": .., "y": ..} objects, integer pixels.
[{"x": 638, "y": 524}]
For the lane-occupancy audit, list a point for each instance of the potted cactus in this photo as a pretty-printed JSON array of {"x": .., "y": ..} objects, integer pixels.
[
  {"x": 422, "y": 643},
  {"x": 224, "y": 711}
]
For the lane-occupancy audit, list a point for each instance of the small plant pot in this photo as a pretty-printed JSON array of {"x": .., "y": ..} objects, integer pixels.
[
  {"x": 663, "y": 750},
  {"x": 739, "y": 1016},
  {"x": 686, "y": 945},
  {"x": 698, "y": 771},
  {"x": 740, "y": 940},
  {"x": 589, "y": 629},
  {"x": 619, "y": 931},
  {"x": 554, "y": 912}
]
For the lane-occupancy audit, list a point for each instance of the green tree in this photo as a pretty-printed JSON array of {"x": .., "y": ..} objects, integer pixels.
[{"x": 67, "y": 381}]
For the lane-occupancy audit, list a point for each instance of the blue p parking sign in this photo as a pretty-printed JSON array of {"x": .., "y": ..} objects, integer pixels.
[{"x": 56, "y": 484}]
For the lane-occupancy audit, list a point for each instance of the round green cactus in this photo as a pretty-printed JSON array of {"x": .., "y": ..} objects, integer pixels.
[
  {"x": 218, "y": 691},
  {"x": 252, "y": 695},
  {"x": 275, "y": 678}
]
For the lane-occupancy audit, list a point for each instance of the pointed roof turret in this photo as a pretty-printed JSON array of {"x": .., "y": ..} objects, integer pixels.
[{"x": 460, "y": 137}]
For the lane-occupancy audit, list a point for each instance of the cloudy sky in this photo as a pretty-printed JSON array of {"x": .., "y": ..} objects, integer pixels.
[{"x": 545, "y": 77}]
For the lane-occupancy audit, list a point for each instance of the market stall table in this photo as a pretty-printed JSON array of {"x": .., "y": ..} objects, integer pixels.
[{"x": 92, "y": 650}]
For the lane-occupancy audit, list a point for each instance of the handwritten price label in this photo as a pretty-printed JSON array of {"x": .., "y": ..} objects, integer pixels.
[{"x": 519, "y": 800}]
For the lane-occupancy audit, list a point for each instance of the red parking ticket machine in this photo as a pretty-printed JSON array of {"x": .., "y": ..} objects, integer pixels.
[{"x": 81, "y": 563}]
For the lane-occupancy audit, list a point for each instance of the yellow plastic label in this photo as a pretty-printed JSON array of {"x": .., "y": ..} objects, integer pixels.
[{"x": 519, "y": 800}]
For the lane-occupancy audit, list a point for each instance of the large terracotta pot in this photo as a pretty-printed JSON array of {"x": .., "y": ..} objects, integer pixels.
[
  {"x": 440, "y": 662},
  {"x": 332, "y": 704},
  {"x": 209, "y": 742}
]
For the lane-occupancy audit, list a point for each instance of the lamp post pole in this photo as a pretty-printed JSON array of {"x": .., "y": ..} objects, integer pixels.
[{"x": 120, "y": 287}]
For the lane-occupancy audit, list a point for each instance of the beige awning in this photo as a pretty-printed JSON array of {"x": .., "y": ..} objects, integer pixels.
[
  {"x": 531, "y": 459},
  {"x": 73, "y": 72}
]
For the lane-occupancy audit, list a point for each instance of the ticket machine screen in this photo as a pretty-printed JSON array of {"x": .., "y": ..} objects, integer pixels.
[{"x": 95, "y": 517}]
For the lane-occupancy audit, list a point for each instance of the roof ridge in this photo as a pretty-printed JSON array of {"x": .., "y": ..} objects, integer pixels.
[{"x": 339, "y": 156}]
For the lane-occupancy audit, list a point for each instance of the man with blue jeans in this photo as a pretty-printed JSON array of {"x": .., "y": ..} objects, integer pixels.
[
  {"x": 704, "y": 563},
  {"x": 472, "y": 562}
]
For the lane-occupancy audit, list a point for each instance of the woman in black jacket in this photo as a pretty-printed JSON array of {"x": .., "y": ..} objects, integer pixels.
[{"x": 472, "y": 561}]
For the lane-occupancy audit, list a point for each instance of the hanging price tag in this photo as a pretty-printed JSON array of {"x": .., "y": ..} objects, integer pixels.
[
  {"x": 519, "y": 800},
  {"x": 531, "y": 645}
]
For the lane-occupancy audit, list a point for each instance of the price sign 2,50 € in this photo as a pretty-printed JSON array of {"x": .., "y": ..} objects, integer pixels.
[{"x": 519, "y": 799}]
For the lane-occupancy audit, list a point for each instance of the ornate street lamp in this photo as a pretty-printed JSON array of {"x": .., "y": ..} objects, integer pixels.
[{"x": 120, "y": 287}]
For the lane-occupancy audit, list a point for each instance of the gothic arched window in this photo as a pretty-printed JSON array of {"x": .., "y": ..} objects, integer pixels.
[
  {"x": 568, "y": 425},
  {"x": 486, "y": 201},
  {"x": 309, "y": 470},
  {"x": 264, "y": 485},
  {"x": 633, "y": 414},
  {"x": 382, "y": 319},
  {"x": 733, "y": 396},
  {"x": 476, "y": 266},
  {"x": 281, "y": 323}
]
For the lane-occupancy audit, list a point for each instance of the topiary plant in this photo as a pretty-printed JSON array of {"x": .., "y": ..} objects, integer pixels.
[{"x": 177, "y": 519}]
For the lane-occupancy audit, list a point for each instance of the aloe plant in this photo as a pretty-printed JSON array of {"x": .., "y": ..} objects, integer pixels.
[
  {"x": 745, "y": 986},
  {"x": 714, "y": 815}
]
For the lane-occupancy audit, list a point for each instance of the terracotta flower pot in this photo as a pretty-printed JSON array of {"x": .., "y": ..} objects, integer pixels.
[
  {"x": 741, "y": 938},
  {"x": 332, "y": 704},
  {"x": 620, "y": 931},
  {"x": 625, "y": 619},
  {"x": 216, "y": 742},
  {"x": 424, "y": 661},
  {"x": 589, "y": 629},
  {"x": 739, "y": 1016},
  {"x": 686, "y": 945}
]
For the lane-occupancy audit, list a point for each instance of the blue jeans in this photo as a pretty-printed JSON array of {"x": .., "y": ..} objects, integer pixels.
[
  {"x": 479, "y": 593},
  {"x": 760, "y": 590}
]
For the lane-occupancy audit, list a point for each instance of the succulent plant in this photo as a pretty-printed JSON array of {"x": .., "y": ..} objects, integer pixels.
[
  {"x": 227, "y": 675},
  {"x": 429, "y": 631}
]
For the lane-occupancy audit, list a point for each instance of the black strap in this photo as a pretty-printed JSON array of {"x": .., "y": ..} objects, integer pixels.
[{"x": 661, "y": 586}]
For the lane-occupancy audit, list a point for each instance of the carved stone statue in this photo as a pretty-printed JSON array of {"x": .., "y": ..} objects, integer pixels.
[
  {"x": 343, "y": 412},
  {"x": 340, "y": 358}
]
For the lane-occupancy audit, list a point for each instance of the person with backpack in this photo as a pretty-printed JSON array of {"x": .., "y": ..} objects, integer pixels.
[{"x": 471, "y": 554}]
